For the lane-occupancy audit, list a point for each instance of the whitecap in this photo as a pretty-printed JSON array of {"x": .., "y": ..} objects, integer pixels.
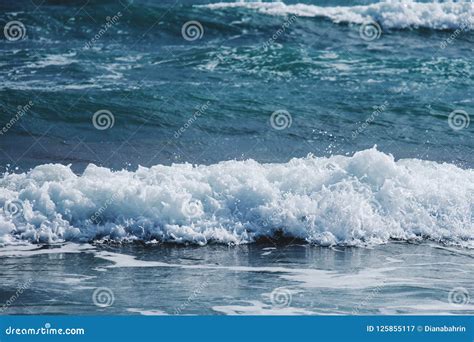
[
  {"x": 390, "y": 14},
  {"x": 363, "y": 200}
]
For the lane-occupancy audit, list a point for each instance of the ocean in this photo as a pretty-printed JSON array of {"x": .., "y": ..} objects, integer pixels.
[{"x": 203, "y": 157}]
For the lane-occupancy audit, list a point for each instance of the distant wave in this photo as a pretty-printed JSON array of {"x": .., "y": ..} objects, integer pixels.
[
  {"x": 368, "y": 198},
  {"x": 389, "y": 14}
]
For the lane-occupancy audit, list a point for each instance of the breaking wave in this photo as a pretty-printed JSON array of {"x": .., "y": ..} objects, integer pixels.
[
  {"x": 368, "y": 198},
  {"x": 390, "y": 14}
]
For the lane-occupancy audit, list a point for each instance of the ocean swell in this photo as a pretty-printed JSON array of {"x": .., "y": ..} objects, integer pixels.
[
  {"x": 365, "y": 199},
  {"x": 390, "y": 14}
]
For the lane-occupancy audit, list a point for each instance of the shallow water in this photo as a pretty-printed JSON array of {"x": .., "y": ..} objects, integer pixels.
[
  {"x": 262, "y": 82},
  {"x": 396, "y": 278}
]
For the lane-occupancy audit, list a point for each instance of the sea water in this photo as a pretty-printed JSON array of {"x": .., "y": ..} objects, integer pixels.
[{"x": 237, "y": 157}]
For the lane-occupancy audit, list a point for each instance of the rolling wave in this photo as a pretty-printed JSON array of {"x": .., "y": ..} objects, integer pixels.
[
  {"x": 390, "y": 14},
  {"x": 365, "y": 199}
]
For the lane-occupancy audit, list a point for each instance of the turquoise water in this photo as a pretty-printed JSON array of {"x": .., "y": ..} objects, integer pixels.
[
  {"x": 236, "y": 158},
  {"x": 152, "y": 80}
]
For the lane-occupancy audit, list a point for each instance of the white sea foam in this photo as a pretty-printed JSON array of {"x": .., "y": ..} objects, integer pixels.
[
  {"x": 255, "y": 307},
  {"x": 144, "y": 312},
  {"x": 53, "y": 60},
  {"x": 28, "y": 250},
  {"x": 390, "y": 14},
  {"x": 368, "y": 198}
]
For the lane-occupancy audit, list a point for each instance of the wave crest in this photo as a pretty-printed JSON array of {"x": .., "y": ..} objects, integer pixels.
[
  {"x": 390, "y": 14},
  {"x": 368, "y": 198}
]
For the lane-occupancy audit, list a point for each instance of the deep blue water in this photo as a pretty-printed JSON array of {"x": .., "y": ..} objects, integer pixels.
[{"x": 153, "y": 81}]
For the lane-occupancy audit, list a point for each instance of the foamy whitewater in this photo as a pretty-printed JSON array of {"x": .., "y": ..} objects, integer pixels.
[
  {"x": 390, "y": 14},
  {"x": 365, "y": 199},
  {"x": 236, "y": 162}
]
